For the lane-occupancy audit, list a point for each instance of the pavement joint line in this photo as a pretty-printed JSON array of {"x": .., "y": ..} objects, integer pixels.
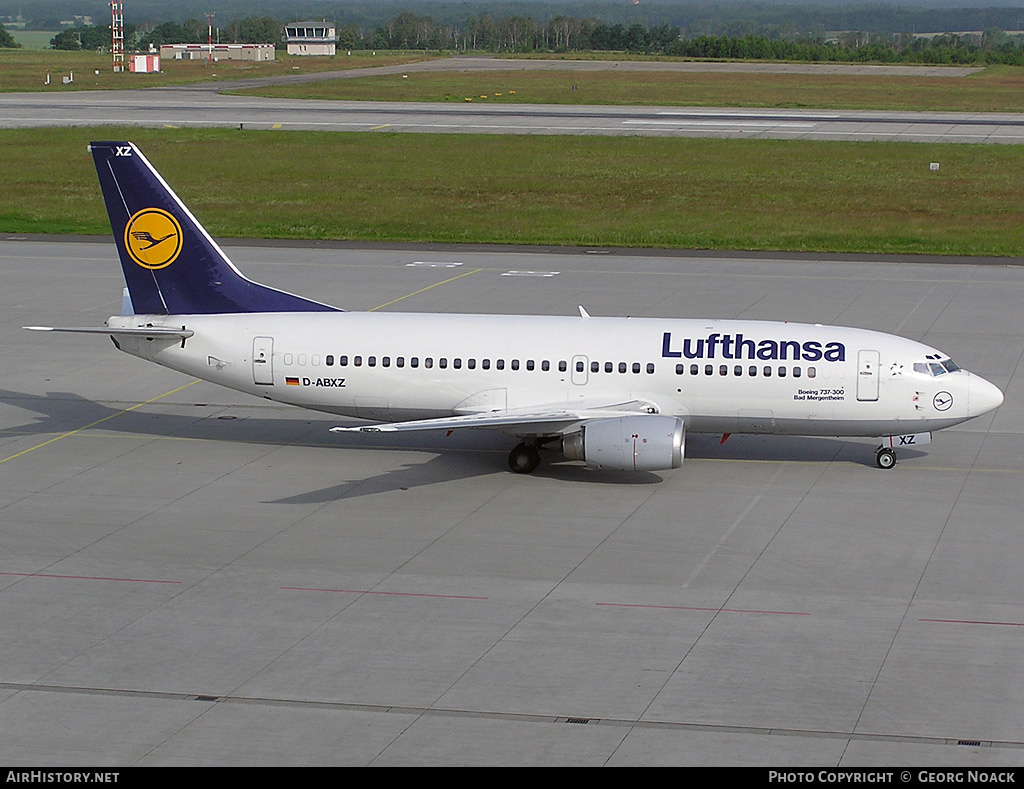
[
  {"x": 98, "y": 422},
  {"x": 423, "y": 290},
  {"x": 522, "y": 717}
]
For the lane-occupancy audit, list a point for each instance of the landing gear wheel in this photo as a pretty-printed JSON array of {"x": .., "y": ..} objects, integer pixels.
[
  {"x": 523, "y": 458},
  {"x": 885, "y": 458}
]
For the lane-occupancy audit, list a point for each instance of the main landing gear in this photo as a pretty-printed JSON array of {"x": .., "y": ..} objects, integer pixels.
[
  {"x": 524, "y": 458},
  {"x": 885, "y": 457}
]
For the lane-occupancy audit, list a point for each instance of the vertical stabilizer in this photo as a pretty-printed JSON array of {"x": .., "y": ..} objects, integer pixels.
[{"x": 171, "y": 265}]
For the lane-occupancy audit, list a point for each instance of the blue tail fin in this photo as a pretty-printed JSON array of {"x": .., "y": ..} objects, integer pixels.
[{"x": 170, "y": 263}]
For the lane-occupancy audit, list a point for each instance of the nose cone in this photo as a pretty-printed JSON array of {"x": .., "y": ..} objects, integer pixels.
[{"x": 982, "y": 396}]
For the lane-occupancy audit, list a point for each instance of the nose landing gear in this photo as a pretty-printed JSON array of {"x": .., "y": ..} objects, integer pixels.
[{"x": 885, "y": 457}]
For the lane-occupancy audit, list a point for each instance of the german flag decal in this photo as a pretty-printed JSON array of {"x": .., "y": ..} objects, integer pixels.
[{"x": 291, "y": 381}]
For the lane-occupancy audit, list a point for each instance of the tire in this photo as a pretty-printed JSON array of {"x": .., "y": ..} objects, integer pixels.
[
  {"x": 523, "y": 459},
  {"x": 885, "y": 458}
]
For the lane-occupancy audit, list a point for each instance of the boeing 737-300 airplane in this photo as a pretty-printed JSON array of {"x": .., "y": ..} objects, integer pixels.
[{"x": 614, "y": 393}]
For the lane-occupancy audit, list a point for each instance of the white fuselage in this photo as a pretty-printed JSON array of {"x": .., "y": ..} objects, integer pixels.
[{"x": 718, "y": 376}]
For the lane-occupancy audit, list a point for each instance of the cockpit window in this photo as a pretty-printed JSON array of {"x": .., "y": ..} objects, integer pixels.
[{"x": 936, "y": 368}]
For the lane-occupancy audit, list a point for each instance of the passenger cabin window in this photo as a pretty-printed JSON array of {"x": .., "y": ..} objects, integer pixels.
[{"x": 329, "y": 360}]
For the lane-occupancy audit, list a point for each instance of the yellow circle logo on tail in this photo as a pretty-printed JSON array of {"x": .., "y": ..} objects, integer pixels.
[{"x": 153, "y": 238}]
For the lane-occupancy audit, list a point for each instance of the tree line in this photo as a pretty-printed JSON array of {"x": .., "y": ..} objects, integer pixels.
[
  {"x": 409, "y": 31},
  {"x": 251, "y": 30},
  {"x": 731, "y": 18}
]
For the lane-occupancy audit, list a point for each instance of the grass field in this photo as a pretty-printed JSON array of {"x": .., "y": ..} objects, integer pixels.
[
  {"x": 33, "y": 39},
  {"x": 26, "y": 70},
  {"x": 643, "y": 192},
  {"x": 996, "y": 89}
]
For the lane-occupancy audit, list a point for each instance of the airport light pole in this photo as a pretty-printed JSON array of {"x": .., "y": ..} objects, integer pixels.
[
  {"x": 116, "y": 34},
  {"x": 209, "y": 36}
]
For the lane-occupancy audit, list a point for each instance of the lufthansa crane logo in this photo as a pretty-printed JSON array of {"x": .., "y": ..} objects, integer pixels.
[{"x": 153, "y": 238}]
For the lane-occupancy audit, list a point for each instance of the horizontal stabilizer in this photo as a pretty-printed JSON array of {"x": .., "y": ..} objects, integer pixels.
[{"x": 148, "y": 331}]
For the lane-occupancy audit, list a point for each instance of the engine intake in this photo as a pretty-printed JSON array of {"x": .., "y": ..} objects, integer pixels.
[{"x": 628, "y": 443}]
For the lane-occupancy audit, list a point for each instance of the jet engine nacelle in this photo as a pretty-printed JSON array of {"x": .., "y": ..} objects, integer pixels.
[{"x": 629, "y": 443}]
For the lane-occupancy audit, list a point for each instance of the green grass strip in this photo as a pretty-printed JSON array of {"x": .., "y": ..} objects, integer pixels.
[
  {"x": 996, "y": 89},
  {"x": 26, "y": 69},
  {"x": 529, "y": 189}
]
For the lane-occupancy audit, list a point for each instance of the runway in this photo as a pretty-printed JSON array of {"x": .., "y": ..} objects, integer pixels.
[
  {"x": 202, "y": 106},
  {"x": 194, "y": 577}
]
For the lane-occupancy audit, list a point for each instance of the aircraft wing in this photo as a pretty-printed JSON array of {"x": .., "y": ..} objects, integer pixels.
[{"x": 551, "y": 419}]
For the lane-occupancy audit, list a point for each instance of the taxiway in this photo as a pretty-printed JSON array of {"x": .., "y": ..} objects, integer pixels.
[
  {"x": 204, "y": 106},
  {"x": 190, "y": 576}
]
